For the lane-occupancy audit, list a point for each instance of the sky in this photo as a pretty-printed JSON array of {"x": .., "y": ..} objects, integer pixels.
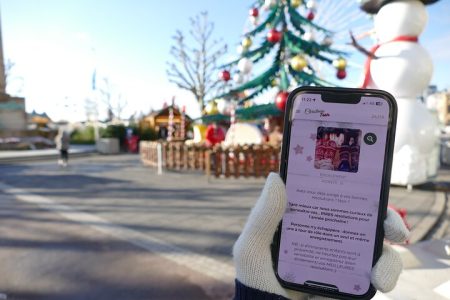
[{"x": 56, "y": 45}]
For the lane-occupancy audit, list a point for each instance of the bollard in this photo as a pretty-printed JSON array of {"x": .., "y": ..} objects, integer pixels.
[{"x": 159, "y": 150}]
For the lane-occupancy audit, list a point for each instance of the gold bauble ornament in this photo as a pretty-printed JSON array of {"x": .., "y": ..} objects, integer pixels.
[
  {"x": 298, "y": 63},
  {"x": 274, "y": 83},
  {"x": 246, "y": 43},
  {"x": 248, "y": 104},
  {"x": 340, "y": 63},
  {"x": 296, "y": 3},
  {"x": 211, "y": 108}
]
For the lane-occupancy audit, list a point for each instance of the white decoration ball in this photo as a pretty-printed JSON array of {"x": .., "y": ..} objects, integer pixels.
[
  {"x": 311, "y": 4},
  {"x": 238, "y": 78},
  {"x": 404, "y": 17},
  {"x": 223, "y": 106},
  {"x": 254, "y": 20},
  {"x": 270, "y": 3},
  {"x": 245, "y": 65},
  {"x": 308, "y": 36},
  {"x": 327, "y": 41}
]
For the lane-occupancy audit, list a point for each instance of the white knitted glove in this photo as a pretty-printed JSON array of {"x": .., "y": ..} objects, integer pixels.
[{"x": 252, "y": 254}]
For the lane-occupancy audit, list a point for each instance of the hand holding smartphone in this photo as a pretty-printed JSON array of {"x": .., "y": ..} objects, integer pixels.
[{"x": 336, "y": 164}]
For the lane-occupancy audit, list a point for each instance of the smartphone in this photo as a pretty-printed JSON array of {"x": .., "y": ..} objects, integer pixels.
[{"x": 336, "y": 163}]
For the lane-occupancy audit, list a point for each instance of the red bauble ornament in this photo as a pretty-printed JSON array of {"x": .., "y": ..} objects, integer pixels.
[
  {"x": 281, "y": 99},
  {"x": 341, "y": 74},
  {"x": 254, "y": 12},
  {"x": 274, "y": 36},
  {"x": 224, "y": 75},
  {"x": 310, "y": 16}
]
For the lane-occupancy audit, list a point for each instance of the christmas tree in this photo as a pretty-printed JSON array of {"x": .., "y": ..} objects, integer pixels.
[{"x": 287, "y": 36}]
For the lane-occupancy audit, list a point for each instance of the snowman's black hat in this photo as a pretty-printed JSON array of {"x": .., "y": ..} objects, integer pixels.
[{"x": 373, "y": 6}]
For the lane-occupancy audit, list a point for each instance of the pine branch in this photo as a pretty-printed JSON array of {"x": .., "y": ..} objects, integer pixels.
[
  {"x": 263, "y": 79},
  {"x": 307, "y": 79},
  {"x": 298, "y": 20},
  {"x": 265, "y": 47},
  {"x": 297, "y": 24},
  {"x": 312, "y": 48},
  {"x": 298, "y": 50},
  {"x": 272, "y": 15},
  {"x": 253, "y": 55},
  {"x": 291, "y": 23},
  {"x": 284, "y": 80},
  {"x": 254, "y": 94}
]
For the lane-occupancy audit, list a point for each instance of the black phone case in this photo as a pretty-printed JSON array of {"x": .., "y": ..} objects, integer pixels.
[{"x": 384, "y": 185}]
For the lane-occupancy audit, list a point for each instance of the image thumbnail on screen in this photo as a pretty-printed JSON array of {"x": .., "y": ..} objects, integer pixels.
[{"x": 337, "y": 149}]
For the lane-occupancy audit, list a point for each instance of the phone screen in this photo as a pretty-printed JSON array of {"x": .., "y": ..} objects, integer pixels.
[{"x": 333, "y": 185}]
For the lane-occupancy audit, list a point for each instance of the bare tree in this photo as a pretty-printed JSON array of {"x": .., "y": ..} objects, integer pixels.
[
  {"x": 194, "y": 68},
  {"x": 91, "y": 109},
  {"x": 120, "y": 105},
  {"x": 9, "y": 65},
  {"x": 113, "y": 100},
  {"x": 9, "y": 79}
]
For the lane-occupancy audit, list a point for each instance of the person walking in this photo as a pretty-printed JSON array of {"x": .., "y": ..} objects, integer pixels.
[{"x": 62, "y": 141}]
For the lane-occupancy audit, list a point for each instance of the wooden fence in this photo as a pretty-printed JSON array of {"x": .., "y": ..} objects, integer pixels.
[
  {"x": 238, "y": 161},
  {"x": 149, "y": 153},
  {"x": 245, "y": 161},
  {"x": 175, "y": 155}
]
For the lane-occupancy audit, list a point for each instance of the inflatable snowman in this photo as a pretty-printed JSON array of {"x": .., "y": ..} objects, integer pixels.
[{"x": 403, "y": 67}]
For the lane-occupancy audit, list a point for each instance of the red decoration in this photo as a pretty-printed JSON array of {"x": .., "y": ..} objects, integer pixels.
[
  {"x": 214, "y": 135},
  {"x": 281, "y": 100},
  {"x": 341, "y": 74},
  {"x": 254, "y": 12},
  {"x": 224, "y": 75},
  {"x": 274, "y": 36},
  {"x": 402, "y": 38},
  {"x": 310, "y": 16}
]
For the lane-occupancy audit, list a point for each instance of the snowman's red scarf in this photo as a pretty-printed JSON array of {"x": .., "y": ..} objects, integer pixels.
[{"x": 401, "y": 38}]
